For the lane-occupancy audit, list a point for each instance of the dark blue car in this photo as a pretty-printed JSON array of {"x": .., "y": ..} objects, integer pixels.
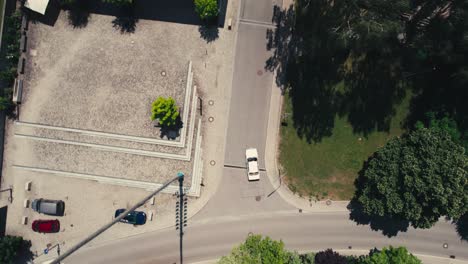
[{"x": 134, "y": 218}]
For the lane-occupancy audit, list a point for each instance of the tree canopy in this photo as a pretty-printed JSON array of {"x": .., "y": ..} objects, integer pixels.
[
  {"x": 257, "y": 250},
  {"x": 206, "y": 9},
  {"x": 165, "y": 111},
  {"x": 418, "y": 178},
  {"x": 9, "y": 247},
  {"x": 390, "y": 255}
]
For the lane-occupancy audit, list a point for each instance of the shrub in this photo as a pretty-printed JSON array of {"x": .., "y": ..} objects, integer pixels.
[
  {"x": 165, "y": 111},
  {"x": 206, "y": 9}
]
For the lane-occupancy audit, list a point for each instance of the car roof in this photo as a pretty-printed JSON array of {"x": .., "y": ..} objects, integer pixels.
[
  {"x": 253, "y": 166},
  {"x": 45, "y": 225},
  {"x": 251, "y": 152}
]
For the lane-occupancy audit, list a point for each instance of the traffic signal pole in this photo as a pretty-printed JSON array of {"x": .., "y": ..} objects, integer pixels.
[{"x": 180, "y": 177}]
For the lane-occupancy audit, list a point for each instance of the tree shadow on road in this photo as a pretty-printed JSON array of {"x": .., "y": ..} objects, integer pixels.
[
  {"x": 280, "y": 41},
  {"x": 372, "y": 87},
  {"x": 388, "y": 226},
  {"x": 461, "y": 226}
]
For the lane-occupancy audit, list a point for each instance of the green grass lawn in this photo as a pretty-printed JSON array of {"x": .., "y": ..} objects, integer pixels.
[{"x": 328, "y": 169}]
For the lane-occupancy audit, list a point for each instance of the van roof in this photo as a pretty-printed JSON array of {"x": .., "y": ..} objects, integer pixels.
[{"x": 49, "y": 207}]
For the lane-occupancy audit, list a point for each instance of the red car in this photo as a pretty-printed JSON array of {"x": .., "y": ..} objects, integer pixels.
[{"x": 46, "y": 226}]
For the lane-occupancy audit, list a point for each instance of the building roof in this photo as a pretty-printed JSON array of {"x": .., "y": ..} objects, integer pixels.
[{"x": 38, "y": 6}]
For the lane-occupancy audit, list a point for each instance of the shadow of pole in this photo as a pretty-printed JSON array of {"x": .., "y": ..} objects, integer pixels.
[
  {"x": 181, "y": 217},
  {"x": 280, "y": 183}
]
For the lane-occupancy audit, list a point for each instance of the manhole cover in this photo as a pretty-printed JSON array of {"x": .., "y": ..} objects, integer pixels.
[
  {"x": 258, "y": 198},
  {"x": 212, "y": 162},
  {"x": 259, "y": 72},
  {"x": 211, "y": 119},
  {"x": 211, "y": 102},
  {"x": 445, "y": 245},
  {"x": 163, "y": 73}
]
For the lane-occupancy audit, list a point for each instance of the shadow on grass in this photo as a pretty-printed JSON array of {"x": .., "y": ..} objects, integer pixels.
[
  {"x": 208, "y": 32},
  {"x": 373, "y": 86},
  {"x": 327, "y": 75}
]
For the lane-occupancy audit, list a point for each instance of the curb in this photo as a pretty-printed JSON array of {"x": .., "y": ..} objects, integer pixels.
[
  {"x": 271, "y": 157},
  {"x": 427, "y": 259}
]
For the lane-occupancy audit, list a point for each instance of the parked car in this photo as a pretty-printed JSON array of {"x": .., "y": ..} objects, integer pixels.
[
  {"x": 46, "y": 226},
  {"x": 251, "y": 155},
  {"x": 135, "y": 217},
  {"x": 49, "y": 207}
]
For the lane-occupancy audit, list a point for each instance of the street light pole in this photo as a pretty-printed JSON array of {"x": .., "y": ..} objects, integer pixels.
[{"x": 180, "y": 177}]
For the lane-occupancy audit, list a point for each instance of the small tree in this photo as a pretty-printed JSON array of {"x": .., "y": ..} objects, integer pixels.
[
  {"x": 390, "y": 256},
  {"x": 9, "y": 247},
  {"x": 258, "y": 250},
  {"x": 165, "y": 111},
  {"x": 206, "y": 9}
]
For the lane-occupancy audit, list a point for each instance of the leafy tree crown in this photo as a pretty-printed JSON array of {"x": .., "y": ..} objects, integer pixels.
[{"x": 165, "y": 111}]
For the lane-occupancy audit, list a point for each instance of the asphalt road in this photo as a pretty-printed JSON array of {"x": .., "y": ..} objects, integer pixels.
[
  {"x": 252, "y": 84},
  {"x": 211, "y": 238},
  {"x": 237, "y": 196},
  {"x": 240, "y": 207}
]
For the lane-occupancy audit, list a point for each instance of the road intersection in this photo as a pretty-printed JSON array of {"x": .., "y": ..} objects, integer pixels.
[{"x": 240, "y": 207}]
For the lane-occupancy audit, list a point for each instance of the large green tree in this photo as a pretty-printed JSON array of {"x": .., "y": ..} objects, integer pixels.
[
  {"x": 257, "y": 250},
  {"x": 418, "y": 178},
  {"x": 390, "y": 255},
  {"x": 9, "y": 247}
]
